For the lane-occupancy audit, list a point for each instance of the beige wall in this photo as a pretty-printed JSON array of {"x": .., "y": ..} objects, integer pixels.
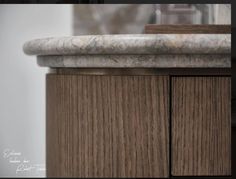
[
  {"x": 223, "y": 14},
  {"x": 131, "y": 18},
  {"x": 111, "y": 19},
  {"x": 22, "y": 83}
]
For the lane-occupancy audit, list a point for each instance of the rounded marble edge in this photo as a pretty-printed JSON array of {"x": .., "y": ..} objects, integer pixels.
[
  {"x": 136, "y": 61},
  {"x": 131, "y": 44}
]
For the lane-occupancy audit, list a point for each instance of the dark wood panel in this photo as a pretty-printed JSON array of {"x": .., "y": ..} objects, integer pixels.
[
  {"x": 107, "y": 126},
  {"x": 187, "y": 29},
  {"x": 142, "y": 71},
  {"x": 201, "y": 126}
]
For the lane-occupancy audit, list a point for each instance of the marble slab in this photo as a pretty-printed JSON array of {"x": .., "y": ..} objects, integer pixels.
[
  {"x": 136, "y": 61},
  {"x": 141, "y": 50}
]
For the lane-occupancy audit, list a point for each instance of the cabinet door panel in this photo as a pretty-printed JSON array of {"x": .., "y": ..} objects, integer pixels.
[
  {"x": 201, "y": 126},
  {"x": 107, "y": 126}
]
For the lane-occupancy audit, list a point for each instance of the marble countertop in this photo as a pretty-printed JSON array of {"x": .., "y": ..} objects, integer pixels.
[{"x": 144, "y": 50}]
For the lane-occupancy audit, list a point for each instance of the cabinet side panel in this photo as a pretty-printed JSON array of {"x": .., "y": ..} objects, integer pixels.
[{"x": 107, "y": 126}]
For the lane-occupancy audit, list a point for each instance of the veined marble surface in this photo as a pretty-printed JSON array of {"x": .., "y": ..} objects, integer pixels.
[
  {"x": 131, "y": 44},
  {"x": 144, "y": 50},
  {"x": 138, "y": 61}
]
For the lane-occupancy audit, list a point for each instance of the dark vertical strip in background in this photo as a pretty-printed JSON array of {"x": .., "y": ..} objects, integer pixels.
[
  {"x": 233, "y": 54},
  {"x": 233, "y": 138},
  {"x": 52, "y": 1},
  {"x": 167, "y": 1},
  {"x": 90, "y": 1},
  {"x": 80, "y": 1}
]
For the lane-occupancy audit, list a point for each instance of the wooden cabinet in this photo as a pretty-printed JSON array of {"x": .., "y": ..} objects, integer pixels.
[
  {"x": 201, "y": 126},
  {"x": 138, "y": 105},
  {"x": 138, "y": 126},
  {"x": 107, "y": 126}
]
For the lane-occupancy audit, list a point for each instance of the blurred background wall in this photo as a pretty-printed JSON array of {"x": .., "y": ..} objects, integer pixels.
[
  {"x": 131, "y": 18},
  {"x": 22, "y": 83}
]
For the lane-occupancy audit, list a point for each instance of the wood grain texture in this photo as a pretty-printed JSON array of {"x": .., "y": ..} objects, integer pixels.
[
  {"x": 107, "y": 126},
  {"x": 187, "y": 29},
  {"x": 201, "y": 129}
]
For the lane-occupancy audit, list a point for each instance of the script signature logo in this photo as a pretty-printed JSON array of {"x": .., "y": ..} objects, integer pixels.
[{"x": 22, "y": 164}]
